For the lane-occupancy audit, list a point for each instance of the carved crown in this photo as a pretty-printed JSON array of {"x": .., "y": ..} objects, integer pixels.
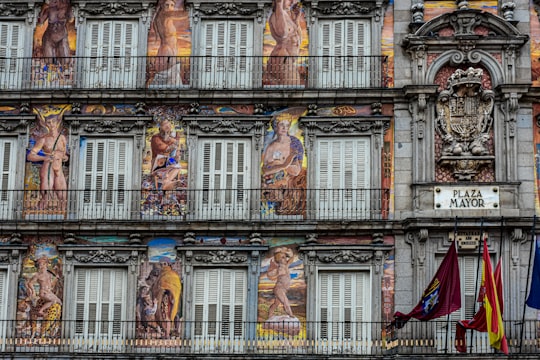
[{"x": 462, "y": 77}]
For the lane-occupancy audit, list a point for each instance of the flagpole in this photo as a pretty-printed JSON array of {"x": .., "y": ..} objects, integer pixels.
[
  {"x": 448, "y": 315},
  {"x": 533, "y": 235},
  {"x": 477, "y": 272}
]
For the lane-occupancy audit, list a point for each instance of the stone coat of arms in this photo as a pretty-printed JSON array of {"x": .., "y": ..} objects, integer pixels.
[{"x": 464, "y": 121}]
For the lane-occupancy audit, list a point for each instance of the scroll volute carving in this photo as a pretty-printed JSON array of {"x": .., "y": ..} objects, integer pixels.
[{"x": 464, "y": 122}]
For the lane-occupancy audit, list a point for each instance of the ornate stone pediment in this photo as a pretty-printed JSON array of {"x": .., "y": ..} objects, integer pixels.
[
  {"x": 107, "y": 124},
  {"x": 15, "y": 123},
  {"x": 104, "y": 257},
  {"x": 464, "y": 121},
  {"x": 221, "y": 257}
]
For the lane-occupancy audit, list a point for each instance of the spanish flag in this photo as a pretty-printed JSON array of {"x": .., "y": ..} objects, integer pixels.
[{"x": 493, "y": 305}]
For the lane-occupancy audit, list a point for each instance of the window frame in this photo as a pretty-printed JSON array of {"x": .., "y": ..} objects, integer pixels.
[
  {"x": 118, "y": 127},
  {"x": 339, "y": 128},
  {"x": 251, "y": 130}
]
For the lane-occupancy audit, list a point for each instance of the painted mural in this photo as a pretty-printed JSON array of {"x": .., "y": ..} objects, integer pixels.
[
  {"x": 46, "y": 166},
  {"x": 434, "y": 8},
  {"x": 164, "y": 180},
  {"x": 282, "y": 291},
  {"x": 535, "y": 44},
  {"x": 54, "y": 45},
  {"x": 40, "y": 295},
  {"x": 387, "y": 44},
  {"x": 169, "y": 45},
  {"x": 283, "y": 168},
  {"x": 285, "y": 45},
  {"x": 159, "y": 291}
]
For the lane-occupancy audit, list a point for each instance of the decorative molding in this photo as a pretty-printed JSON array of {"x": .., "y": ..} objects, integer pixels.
[
  {"x": 417, "y": 240},
  {"x": 221, "y": 257},
  {"x": 228, "y": 9},
  {"x": 111, "y": 8},
  {"x": 225, "y": 126},
  {"x": 346, "y": 257},
  {"x": 344, "y": 125},
  {"x": 107, "y": 124},
  {"x": 312, "y": 238},
  {"x": 18, "y": 9},
  {"x": 256, "y": 238},
  {"x": 15, "y": 124},
  {"x": 189, "y": 238},
  {"x": 103, "y": 256},
  {"x": 344, "y": 8}
]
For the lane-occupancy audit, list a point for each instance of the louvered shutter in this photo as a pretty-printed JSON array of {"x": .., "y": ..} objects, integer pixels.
[
  {"x": 219, "y": 298},
  {"x": 226, "y": 49},
  {"x": 100, "y": 295},
  {"x": 342, "y": 45},
  {"x": 344, "y": 306},
  {"x": 7, "y": 176},
  {"x": 11, "y": 53},
  {"x": 106, "y": 178},
  {"x": 343, "y": 178},
  {"x": 223, "y": 179},
  {"x": 111, "y": 50}
]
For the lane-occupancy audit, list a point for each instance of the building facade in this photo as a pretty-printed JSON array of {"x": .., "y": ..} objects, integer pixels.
[{"x": 262, "y": 178}]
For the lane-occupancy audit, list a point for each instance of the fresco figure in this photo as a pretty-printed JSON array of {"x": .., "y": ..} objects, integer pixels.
[
  {"x": 45, "y": 279},
  {"x": 279, "y": 270},
  {"x": 165, "y": 290},
  {"x": 51, "y": 149},
  {"x": 166, "y": 68},
  {"x": 55, "y": 38},
  {"x": 282, "y": 173},
  {"x": 282, "y": 68},
  {"x": 165, "y": 157}
]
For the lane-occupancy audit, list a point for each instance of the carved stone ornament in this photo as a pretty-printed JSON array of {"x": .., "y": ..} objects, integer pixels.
[
  {"x": 344, "y": 125},
  {"x": 346, "y": 257},
  {"x": 11, "y": 124},
  {"x": 103, "y": 256},
  {"x": 222, "y": 8},
  {"x": 343, "y": 8},
  {"x": 16, "y": 9},
  {"x": 464, "y": 122},
  {"x": 221, "y": 257},
  {"x": 110, "y": 126},
  {"x": 226, "y": 126},
  {"x": 112, "y": 8}
]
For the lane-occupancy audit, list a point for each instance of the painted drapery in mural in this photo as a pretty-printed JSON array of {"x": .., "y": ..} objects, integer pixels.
[
  {"x": 164, "y": 180},
  {"x": 283, "y": 167},
  {"x": 159, "y": 305},
  {"x": 54, "y": 45},
  {"x": 40, "y": 296},
  {"x": 46, "y": 166}
]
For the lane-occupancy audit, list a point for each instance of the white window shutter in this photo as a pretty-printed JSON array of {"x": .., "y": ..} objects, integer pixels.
[
  {"x": 11, "y": 52},
  {"x": 223, "y": 178},
  {"x": 7, "y": 166},
  {"x": 3, "y": 296}
]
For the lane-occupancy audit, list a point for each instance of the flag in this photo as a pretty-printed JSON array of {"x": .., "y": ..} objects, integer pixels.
[
  {"x": 478, "y": 322},
  {"x": 534, "y": 294},
  {"x": 441, "y": 297},
  {"x": 492, "y": 305}
]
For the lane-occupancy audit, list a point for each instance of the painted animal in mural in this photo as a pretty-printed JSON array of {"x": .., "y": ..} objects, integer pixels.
[{"x": 55, "y": 41}]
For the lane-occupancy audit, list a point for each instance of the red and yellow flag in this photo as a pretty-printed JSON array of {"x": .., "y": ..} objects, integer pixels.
[{"x": 493, "y": 305}]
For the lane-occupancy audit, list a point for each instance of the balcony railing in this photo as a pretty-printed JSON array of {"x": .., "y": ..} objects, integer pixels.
[
  {"x": 194, "y": 72},
  {"x": 196, "y": 205},
  {"x": 304, "y": 338}
]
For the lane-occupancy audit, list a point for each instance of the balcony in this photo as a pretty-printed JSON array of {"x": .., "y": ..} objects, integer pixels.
[
  {"x": 313, "y": 340},
  {"x": 196, "y": 205},
  {"x": 194, "y": 73}
]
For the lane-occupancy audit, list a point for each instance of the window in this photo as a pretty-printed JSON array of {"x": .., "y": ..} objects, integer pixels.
[
  {"x": 11, "y": 53},
  {"x": 223, "y": 178},
  {"x": 342, "y": 187},
  {"x": 100, "y": 295},
  {"x": 342, "y": 47},
  {"x": 344, "y": 310},
  {"x": 106, "y": 178},
  {"x": 7, "y": 169},
  {"x": 226, "y": 54},
  {"x": 219, "y": 305},
  {"x": 3, "y": 308},
  {"x": 110, "y": 54},
  {"x": 470, "y": 271}
]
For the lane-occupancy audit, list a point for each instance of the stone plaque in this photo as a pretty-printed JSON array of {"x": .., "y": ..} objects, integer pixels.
[{"x": 466, "y": 197}]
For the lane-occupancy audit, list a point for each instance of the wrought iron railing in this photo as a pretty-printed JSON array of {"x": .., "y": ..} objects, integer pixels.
[
  {"x": 194, "y": 72},
  {"x": 294, "y": 337},
  {"x": 196, "y": 205}
]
